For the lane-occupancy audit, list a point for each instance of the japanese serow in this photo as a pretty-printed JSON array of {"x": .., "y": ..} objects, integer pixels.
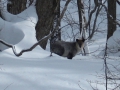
[{"x": 67, "y": 49}]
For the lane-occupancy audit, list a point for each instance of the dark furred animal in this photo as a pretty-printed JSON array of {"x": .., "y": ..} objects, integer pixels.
[{"x": 67, "y": 49}]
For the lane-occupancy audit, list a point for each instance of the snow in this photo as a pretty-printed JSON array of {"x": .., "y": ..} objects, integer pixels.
[
  {"x": 113, "y": 44},
  {"x": 36, "y": 70},
  {"x": 22, "y": 25},
  {"x": 48, "y": 73}
]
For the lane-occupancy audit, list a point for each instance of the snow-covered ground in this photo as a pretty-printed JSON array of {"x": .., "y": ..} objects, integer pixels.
[
  {"x": 48, "y": 73},
  {"x": 35, "y": 70}
]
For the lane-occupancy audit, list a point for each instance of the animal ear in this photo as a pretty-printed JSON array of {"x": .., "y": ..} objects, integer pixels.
[{"x": 77, "y": 40}]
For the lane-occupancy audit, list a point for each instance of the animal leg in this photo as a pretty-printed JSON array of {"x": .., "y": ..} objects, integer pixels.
[
  {"x": 51, "y": 54},
  {"x": 70, "y": 56}
]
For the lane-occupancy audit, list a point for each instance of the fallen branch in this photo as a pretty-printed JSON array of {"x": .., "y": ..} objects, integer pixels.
[{"x": 24, "y": 50}]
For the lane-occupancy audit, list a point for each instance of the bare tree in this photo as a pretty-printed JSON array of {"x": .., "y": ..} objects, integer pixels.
[
  {"x": 111, "y": 17},
  {"x": 57, "y": 13},
  {"x": 46, "y": 14},
  {"x": 80, "y": 11}
]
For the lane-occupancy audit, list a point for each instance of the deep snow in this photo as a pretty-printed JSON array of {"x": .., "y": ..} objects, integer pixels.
[{"x": 35, "y": 70}]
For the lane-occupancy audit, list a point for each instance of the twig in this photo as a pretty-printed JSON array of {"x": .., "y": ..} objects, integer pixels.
[{"x": 8, "y": 86}]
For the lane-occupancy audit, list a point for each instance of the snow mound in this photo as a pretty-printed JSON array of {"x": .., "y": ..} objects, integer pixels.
[
  {"x": 10, "y": 34},
  {"x": 113, "y": 43},
  {"x": 21, "y": 31}
]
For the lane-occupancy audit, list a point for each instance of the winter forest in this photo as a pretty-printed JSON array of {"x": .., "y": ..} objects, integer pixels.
[{"x": 59, "y": 45}]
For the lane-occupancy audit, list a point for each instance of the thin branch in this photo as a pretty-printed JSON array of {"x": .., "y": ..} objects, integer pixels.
[
  {"x": 116, "y": 22},
  {"x": 106, "y": 67},
  {"x": 8, "y": 86},
  {"x": 118, "y": 2},
  {"x": 90, "y": 16},
  {"x": 110, "y": 78},
  {"x": 65, "y": 8},
  {"x": 94, "y": 25},
  {"x": 116, "y": 87}
]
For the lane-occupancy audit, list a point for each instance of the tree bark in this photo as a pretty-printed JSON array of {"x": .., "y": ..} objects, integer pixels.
[
  {"x": 57, "y": 4},
  {"x": 46, "y": 13},
  {"x": 80, "y": 7},
  {"x": 111, "y": 17},
  {"x": 16, "y": 6}
]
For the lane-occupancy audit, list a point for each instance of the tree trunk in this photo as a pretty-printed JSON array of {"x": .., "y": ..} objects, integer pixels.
[
  {"x": 80, "y": 7},
  {"x": 57, "y": 34},
  {"x": 57, "y": 18},
  {"x": 16, "y": 6},
  {"x": 112, "y": 13},
  {"x": 46, "y": 13},
  {"x": 82, "y": 21}
]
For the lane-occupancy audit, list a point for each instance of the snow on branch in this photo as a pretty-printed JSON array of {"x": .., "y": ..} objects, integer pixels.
[
  {"x": 37, "y": 43},
  {"x": 24, "y": 50}
]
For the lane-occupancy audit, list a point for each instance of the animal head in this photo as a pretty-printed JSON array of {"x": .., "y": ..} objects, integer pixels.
[{"x": 80, "y": 42}]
